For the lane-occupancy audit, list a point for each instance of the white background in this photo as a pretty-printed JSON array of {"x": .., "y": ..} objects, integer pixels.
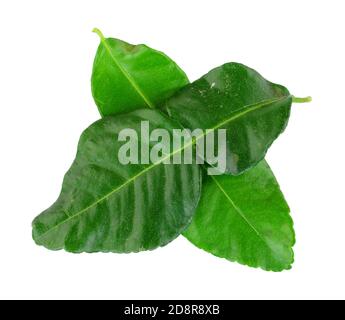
[{"x": 46, "y": 55}]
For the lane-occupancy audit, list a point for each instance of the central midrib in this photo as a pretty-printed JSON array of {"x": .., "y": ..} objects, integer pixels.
[
  {"x": 238, "y": 210},
  {"x": 246, "y": 109},
  {"x": 243, "y": 216},
  {"x": 128, "y": 76}
]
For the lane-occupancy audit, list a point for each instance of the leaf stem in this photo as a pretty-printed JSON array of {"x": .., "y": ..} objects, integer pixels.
[
  {"x": 301, "y": 100},
  {"x": 99, "y": 33}
]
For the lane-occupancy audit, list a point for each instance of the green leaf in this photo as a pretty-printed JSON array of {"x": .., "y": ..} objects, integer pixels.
[
  {"x": 245, "y": 219},
  {"x": 127, "y": 77},
  {"x": 109, "y": 207},
  {"x": 234, "y": 97}
]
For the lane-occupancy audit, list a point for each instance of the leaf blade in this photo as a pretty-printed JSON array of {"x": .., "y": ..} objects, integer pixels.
[
  {"x": 123, "y": 71},
  {"x": 245, "y": 219},
  {"x": 215, "y": 101},
  {"x": 128, "y": 77},
  {"x": 108, "y": 207}
]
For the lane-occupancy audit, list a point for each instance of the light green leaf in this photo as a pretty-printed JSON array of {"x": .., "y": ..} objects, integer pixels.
[
  {"x": 127, "y": 77},
  {"x": 245, "y": 219}
]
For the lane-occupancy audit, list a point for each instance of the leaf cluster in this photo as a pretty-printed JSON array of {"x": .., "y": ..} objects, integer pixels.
[{"x": 105, "y": 206}]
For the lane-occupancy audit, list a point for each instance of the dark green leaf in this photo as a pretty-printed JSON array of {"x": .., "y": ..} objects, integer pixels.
[
  {"x": 109, "y": 207},
  {"x": 235, "y": 97},
  {"x": 127, "y": 77},
  {"x": 245, "y": 219}
]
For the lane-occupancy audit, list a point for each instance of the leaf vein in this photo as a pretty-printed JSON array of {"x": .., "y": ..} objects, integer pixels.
[{"x": 127, "y": 75}]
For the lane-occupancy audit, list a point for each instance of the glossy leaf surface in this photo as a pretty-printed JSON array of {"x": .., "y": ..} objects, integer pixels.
[
  {"x": 245, "y": 219},
  {"x": 110, "y": 207},
  {"x": 127, "y": 77},
  {"x": 234, "y": 97}
]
